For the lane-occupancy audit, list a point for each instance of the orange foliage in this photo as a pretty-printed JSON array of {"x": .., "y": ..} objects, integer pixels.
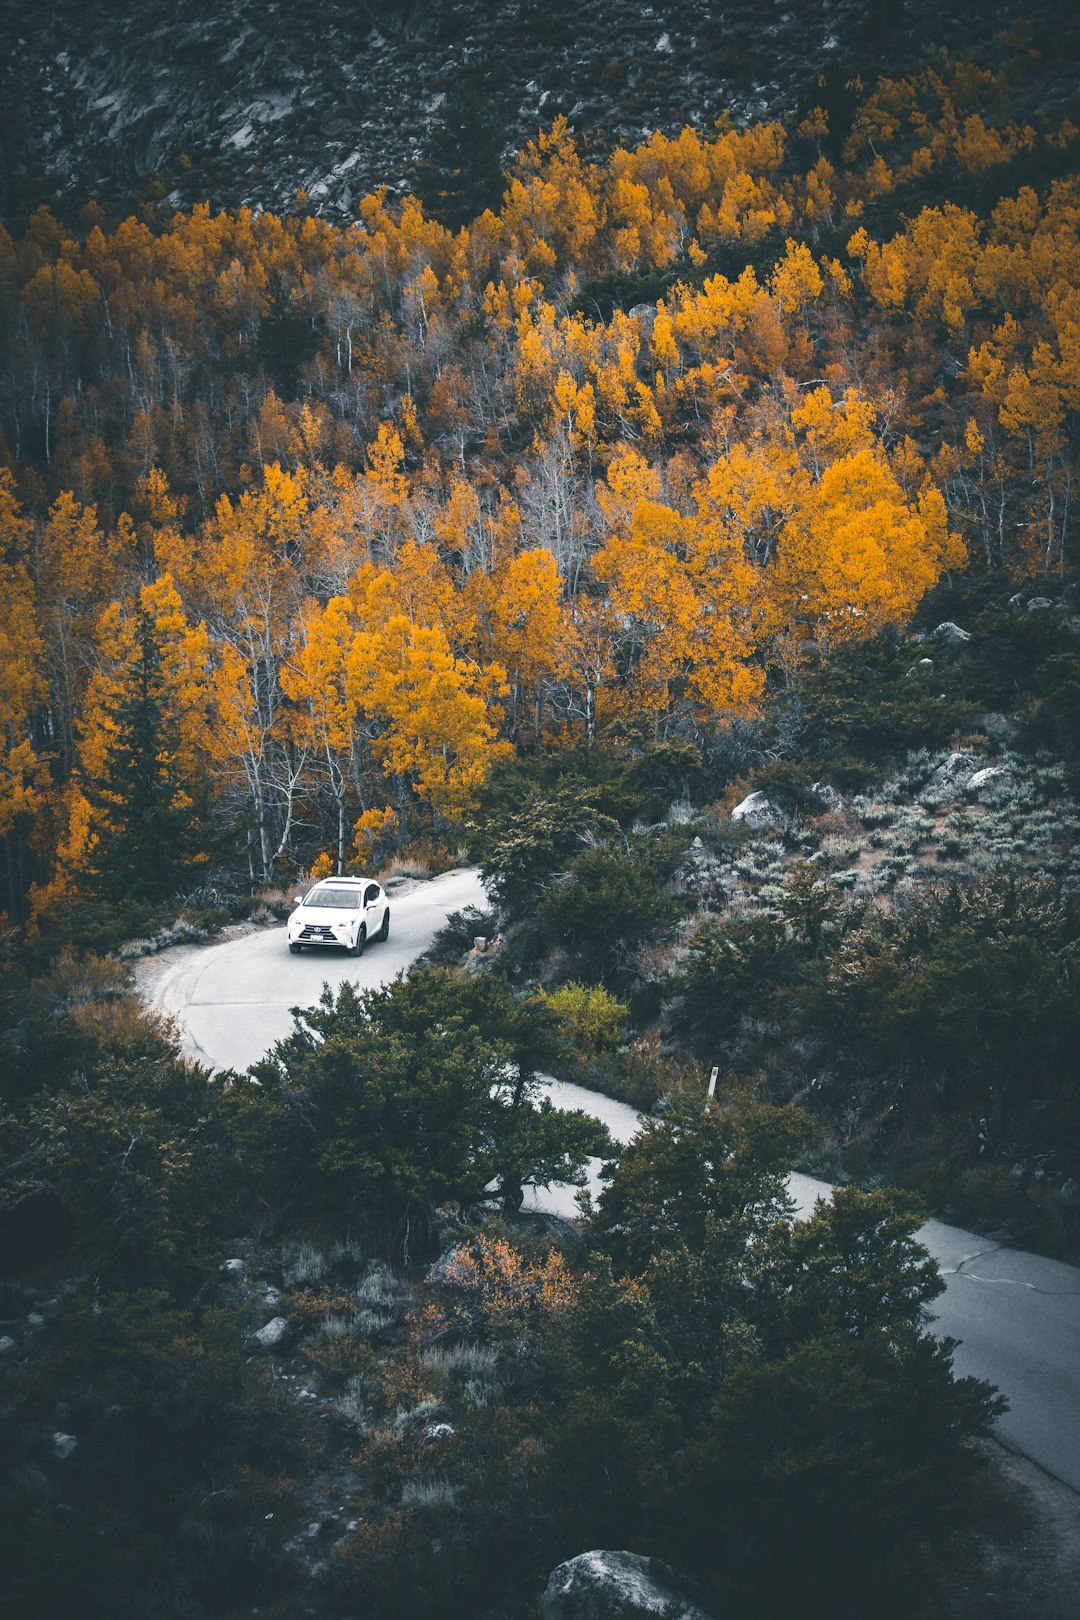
[
  {"x": 475, "y": 504},
  {"x": 504, "y": 1288}
]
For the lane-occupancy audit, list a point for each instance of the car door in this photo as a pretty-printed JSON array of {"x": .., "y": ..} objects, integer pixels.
[{"x": 372, "y": 907}]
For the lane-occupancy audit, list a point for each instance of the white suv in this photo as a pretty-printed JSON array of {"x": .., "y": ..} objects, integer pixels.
[{"x": 343, "y": 911}]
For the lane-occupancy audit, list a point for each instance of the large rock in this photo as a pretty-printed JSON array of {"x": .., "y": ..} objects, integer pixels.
[
  {"x": 441, "y": 1271},
  {"x": 615, "y": 1586},
  {"x": 646, "y": 314},
  {"x": 950, "y": 634},
  {"x": 990, "y": 773},
  {"x": 951, "y": 777},
  {"x": 757, "y": 810},
  {"x": 272, "y": 1333}
]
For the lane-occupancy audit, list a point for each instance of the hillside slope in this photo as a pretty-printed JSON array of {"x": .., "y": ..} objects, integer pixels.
[{"x": 250, "y": 102}]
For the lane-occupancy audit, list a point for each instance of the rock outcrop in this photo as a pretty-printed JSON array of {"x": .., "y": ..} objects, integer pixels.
[
  {"x": 616, "y": 1586},
  {"x": 257, "y": 100},
  {"x": 757, "y": 810},
  {"x": 272, "y": 1334},
  {"x": 983, "y": 778}
]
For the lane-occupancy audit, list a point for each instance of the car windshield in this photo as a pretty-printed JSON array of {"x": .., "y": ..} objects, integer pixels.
[{"x": 334, "y": 899}]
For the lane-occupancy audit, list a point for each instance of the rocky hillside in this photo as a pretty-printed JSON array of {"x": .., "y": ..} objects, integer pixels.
[{"x": 253, "y": 101}]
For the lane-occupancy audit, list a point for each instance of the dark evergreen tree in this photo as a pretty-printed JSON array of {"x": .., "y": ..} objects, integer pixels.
[
  {"x": 287, "y": 339},
  {"x": 387, "y": 1104},
  {"x": 151, "y": 828},
  {"x": 462, "y": 169},
  {"x": 754, "y": 1398}
]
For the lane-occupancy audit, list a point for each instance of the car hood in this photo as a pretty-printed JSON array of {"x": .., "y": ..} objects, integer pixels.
[{"x": 325, "y": 914}]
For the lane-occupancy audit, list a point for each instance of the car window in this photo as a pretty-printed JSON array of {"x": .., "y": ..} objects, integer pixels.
[
  {"x": 371, "y": 893},
  {"x": 334, "y": 899}
]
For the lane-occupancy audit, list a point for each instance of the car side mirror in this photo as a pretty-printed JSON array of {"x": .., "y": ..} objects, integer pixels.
[{"x": 298, "y": 900}]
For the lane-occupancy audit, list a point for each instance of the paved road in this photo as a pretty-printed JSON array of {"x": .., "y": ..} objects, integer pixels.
[
  {"x": 232, "y": 1000},
  {"x": 1016, "y": 1315}
]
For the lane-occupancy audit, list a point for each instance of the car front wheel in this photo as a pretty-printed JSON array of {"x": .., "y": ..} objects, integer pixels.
[
  {"x": 294, "y": 948},
  {"x": 361, "y": 940},
  {"x": 384, "y": 931}
]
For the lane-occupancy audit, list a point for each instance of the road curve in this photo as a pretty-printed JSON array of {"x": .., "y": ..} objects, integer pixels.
[
  {"x": 1016, "y": 1315},
  {"x": 231, "y": 1000}
]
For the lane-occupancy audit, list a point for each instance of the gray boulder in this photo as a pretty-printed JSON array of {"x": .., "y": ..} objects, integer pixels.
[
  {"x": 615, "y": 1586},
  {"x": 990, "y": 773},
  {"x": 1038, "y": 602},
  {"x": 441, "y": 1271},
  {"x": 272, "y": 1333},
  {"x": 757, "y": 810},
  {"x": 646, "y": 314},
  {"x": 950, "y": 634},
  {"x": 951, "y": 777},
  {"x": 64, "y": 1445},
  {"x": 6, "y": 1343}
]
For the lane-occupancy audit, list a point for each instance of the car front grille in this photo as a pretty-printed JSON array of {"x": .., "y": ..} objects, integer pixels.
[{"x": 318, "y": 934}]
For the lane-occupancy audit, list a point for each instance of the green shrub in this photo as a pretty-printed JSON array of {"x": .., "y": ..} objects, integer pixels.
[
  {"x": 383, "y": 1105},
  {"x": 790, "y": 785},
  {"x": 531, "y": 841},
  {"x": 640, "y": 1075},
  {"x": 607, "y": 905},
  {"x": 208, "y": 919},
  {"x": 863, "y": 703},
  {"x": 668, "y": 771},
  {"x": 723, "y": 1366},
  {"x": 591, "y": 1017},
  {"x": 456, "y": 935}
]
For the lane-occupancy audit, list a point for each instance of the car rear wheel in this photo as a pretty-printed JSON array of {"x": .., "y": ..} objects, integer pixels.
[
  {"x": 361, "y": 940},
  {"x": 384, "y": 931},
  {"x": 294, "y": 948}
]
